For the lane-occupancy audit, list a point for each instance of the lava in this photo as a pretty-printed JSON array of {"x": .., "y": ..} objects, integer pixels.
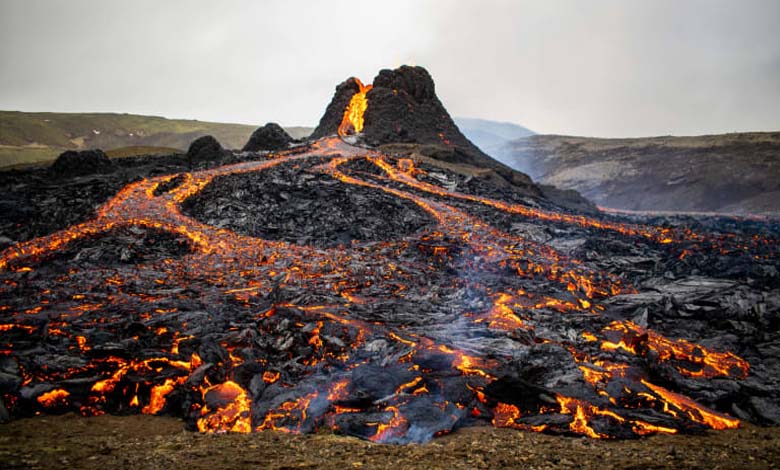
[
  {"x": 352, "y": 123},
  {"x": 229, "y": 410},
  {"x": 697, "y": 361},
  {"x": 336, "y": 343}
]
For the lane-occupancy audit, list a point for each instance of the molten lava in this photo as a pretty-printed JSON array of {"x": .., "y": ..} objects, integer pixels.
[
  {"x": 352, "y": 122},
  {"x": 298, "y": 363}
]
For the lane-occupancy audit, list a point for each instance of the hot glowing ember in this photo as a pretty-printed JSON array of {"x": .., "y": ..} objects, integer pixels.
[
  {"x": 54, "y": 398},
  {"x": 227, "y": 409}
]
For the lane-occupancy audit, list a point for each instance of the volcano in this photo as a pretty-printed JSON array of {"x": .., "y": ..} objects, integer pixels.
[{"x": 336, "y": 285}]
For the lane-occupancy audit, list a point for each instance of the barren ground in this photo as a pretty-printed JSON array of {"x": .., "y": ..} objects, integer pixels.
[{"x": 70, "y": 441}]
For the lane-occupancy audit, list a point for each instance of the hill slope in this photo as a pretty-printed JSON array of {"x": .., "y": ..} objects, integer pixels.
[
  {"x": 730, "y": 173},
  {"x": 35, "y": 137},
  {"x": 491, "y": 136}
]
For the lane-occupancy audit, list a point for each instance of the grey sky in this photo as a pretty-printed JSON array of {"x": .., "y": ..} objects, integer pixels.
[{"x": 604, "y": 68}]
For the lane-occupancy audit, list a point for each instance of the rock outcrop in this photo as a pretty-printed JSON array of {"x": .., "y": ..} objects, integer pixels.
[
  {"x": 80, "y": 163},
  {"x": 204, "y": 149},
  {"x": 269, "y": 137}
]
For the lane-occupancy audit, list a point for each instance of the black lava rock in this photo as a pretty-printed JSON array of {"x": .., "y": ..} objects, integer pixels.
[
  {"x": 204, "y": 149},
  {"x": 80, "y": 163},
  {"x": 269, "y": 137},
  {"x": 403, "y": 108}
]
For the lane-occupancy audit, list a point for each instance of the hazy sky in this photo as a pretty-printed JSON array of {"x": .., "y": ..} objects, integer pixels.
[{"x": 603, "y": 68}]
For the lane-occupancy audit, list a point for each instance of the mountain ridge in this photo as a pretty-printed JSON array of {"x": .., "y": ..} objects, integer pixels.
[
  {"x": 36, "y": 137},
  {"x": 726, "y": 173}
]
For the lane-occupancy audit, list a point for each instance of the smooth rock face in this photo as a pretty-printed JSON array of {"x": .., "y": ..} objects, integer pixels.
[
  {"x": 269, "y": 137},
  {"x": 80, "y": 163},
  {"x": 204, "y": 149}
]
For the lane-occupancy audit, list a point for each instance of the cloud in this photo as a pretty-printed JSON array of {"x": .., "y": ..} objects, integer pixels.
[{"x": 609, "y": 68}]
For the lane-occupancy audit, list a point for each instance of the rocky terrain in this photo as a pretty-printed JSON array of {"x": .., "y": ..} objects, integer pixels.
[
  {"x": 380, "y": 284},
  {"x": 729, "y": 173}
]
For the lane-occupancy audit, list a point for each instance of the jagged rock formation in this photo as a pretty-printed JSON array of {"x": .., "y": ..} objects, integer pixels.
[
  {"x": 204, "y": 149},
  {"x": 79, "y": 163},
  {"x": 269, "y": 137},
  {"x": 380, "y": 297}
]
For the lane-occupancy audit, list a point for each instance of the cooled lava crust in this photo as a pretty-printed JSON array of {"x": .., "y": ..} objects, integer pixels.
[{"x": 336, "y": 287}]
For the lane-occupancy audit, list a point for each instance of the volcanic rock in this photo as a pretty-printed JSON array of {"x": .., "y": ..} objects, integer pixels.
[
  {"x": 403, "y": 108},
  {"x": 329, "y": 123},
  {"x": 382, "y": 296},
  {"x": 204, "y": 149},
  {"x": 568, "y": 198},
  {"x": 80, "y": 163},
  {"x": 269, "y": 137},
  {"x": 294, "y": 205}
]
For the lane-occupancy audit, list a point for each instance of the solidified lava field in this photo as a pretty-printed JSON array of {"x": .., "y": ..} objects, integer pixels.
[{"x": 335, "y": 287}]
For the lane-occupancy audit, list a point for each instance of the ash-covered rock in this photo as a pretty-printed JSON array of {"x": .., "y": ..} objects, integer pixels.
[
  {"x": 79, "y": 163},
  {"x": 403, "y": 107},
  {"x": 269, "y": 137}
]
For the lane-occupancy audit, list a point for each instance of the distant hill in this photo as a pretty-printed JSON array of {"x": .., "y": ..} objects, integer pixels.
[
  {"x": 729, "y": 173},
  {"x": 38, "y": 137},
  {"x": 491, "y": 136}
]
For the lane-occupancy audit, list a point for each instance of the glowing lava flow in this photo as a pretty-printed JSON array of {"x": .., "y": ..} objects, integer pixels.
[
  {"x": 443, "y": 374},
  {"x": 662, "y": 235},
  {"x": 352, "y": 122}
]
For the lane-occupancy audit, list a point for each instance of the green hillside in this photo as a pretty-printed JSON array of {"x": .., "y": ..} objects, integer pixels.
[{"x": 38, "y": 137}]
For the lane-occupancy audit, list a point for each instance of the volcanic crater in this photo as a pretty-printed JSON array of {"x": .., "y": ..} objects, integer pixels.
[{"x": 334, "y": 286}]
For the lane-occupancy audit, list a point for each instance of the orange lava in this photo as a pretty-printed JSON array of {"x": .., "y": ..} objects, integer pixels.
[
  {"x": 244, "y": 268},
  {"x": 234, "y": 416},
  {"x": 696, "y": 360},
  {"x": 693, "y": 410},
  {"x": 53, "y": 398},
  {"x": 352, "y": 122}
]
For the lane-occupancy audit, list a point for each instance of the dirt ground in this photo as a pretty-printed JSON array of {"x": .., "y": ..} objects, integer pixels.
[{"x": 71, "y": 441}]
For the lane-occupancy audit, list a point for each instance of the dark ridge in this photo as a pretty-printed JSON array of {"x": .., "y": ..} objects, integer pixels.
[
  {"x": 204, "y": 149},
  {"x": 80, "y": 163},
  {"x": 290, "y": 203}
]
